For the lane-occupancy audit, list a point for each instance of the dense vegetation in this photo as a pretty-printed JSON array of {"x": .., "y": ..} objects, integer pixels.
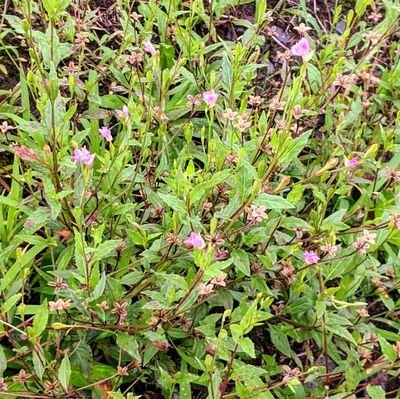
[{"x": 199, "y": 199}]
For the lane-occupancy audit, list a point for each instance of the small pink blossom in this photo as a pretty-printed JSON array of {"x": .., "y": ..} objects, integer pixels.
[
  {"x": 149, "y": 48},
  {"x": 330, "y": 249},
  {"x": 221, "y": 254},
  {"x": 106, "y": 133},
  {"x": 83, "y": 155},
  {"x": 351, "y": 163},
  {"x": 195, "y": 240},
  {"x": 59, "y": 305},
  {"x": 220, "y": 280},
  {"x": 25, "y": 153},
  {"x": 29, "y": 223},
  {"x": 210, "y": 97},
  {"x": 3, "y": 385},
  {"x": 123, "y": 113},
  {"x": 256, "y": 214},
  {"x": 120, "y": 309},
  {"x": 301, "y": 48},
  {"x": 395, "y": 219},
  {"x": 311, "y": 257},
  {"x": 206, "y": 289}
]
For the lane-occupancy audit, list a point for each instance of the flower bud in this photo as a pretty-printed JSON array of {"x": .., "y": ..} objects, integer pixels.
[
  {"x": 329, "y": 165},
  {"x": 283, "y": 183}
]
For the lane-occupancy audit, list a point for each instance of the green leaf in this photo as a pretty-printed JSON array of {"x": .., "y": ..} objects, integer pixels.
[
  {"x": 376, "y": 392},
  {"x": 10, "y": 302},
  {"x": 174, "y": 202},
  {"x": 361, "y": 6},
  {"x": 203, "y": 187},
  {"x": 280, "y": 340},
  {"x": 18, "y": 266},
  {"x": 64, "y": 372},
  {"x": 129, "y": 344},
  {"x": 132, "y": 278},
  {"x": 334, "y": 221},
  {"x": 115, "y": 395},
  {"x": 340, "y": 266},
  {"x": 264, "y": 395},
  {"x": 341, "y": 332},
  {"x": 100, "y": 287},
  {"x": 226, "y": 71},
  {"x": 228, "y": 211},
  {"x": 104, "y": 249},
  {"x": 167, "y": 56},
  {"x": 241, "y": 261},
  {"x": 320, "y": 308},
  {"x": 272, "y": 202},
  {"x": 261, "y": 7},
  {"x": 244, "y": 180},
  {"x": 37, "y": 365},
  {"x": 96, "y": 113},
  {"x": 39, "y": 217},
  {"x": 236, "y": 331},
  {"x": 40, "y": 321},
  {"x": 101, "y": 371},
  {"x": 3, "y": 361},
  {"x": 82, "y": 358},
  {"x": 246, "y": 345},
  {"x": 294, "y": 148},
  {"x": 296, "y": 194},
  {"x": 387, "y": 349}
]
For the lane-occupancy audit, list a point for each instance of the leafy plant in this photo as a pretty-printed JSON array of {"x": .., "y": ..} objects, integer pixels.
[{"x": 199, "y": 201}]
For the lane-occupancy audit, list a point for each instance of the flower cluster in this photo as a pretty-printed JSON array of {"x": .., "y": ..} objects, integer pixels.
[{"x": 363, "y": 243}]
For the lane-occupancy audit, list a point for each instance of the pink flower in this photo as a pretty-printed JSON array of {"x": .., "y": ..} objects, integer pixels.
[
  {"x": 311, "y": 257},
  {"x": 149, "y": 48},
  {"x": 210, "y": 97},
  {"x": 395, "y": 219},
  {"x": 351, "y": 163},
  {"x": 106, "y": 133},
  {"x": 123, "y": 113},
  {"x": 25, "y": 153},
  {"x": 195, "y": 240},
  {"x": 60, "y": 304},
  {"x": 221, "y": 254},
  {"x": 330, "y": 249},
  {"x": 83, "y": 155},
  {"x": 206, "y": 289},
  {"x": 220, "y": 280},
  {"x": 301, "y": 48}
]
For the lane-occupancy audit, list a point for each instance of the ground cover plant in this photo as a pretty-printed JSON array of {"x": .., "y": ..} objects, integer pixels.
[{"x": 199, "y": 199}]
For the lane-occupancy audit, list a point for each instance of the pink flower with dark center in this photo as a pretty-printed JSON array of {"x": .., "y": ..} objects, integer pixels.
[
  {"x": 301, "y": 48},
  {"x": 149, "y": 48},
  {"x": 83, "y": 155},
  {"x": 25, "y": 153},
  {"x": 210, "y": 97},
  {"x": 311, "y": 257},
  {"x": 120, "y": 309},
  {"x": 220, "y": 280},
  {"x": 106, "y": 133},
  {"x": 195, "y": 240},
  {"x": 123, "y": 113}
]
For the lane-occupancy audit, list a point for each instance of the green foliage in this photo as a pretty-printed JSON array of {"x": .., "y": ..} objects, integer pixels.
[{"x": 187, "y": 211}]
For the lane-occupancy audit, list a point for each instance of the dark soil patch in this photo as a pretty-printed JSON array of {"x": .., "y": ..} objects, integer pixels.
[{"x": 9, "y": 81}]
